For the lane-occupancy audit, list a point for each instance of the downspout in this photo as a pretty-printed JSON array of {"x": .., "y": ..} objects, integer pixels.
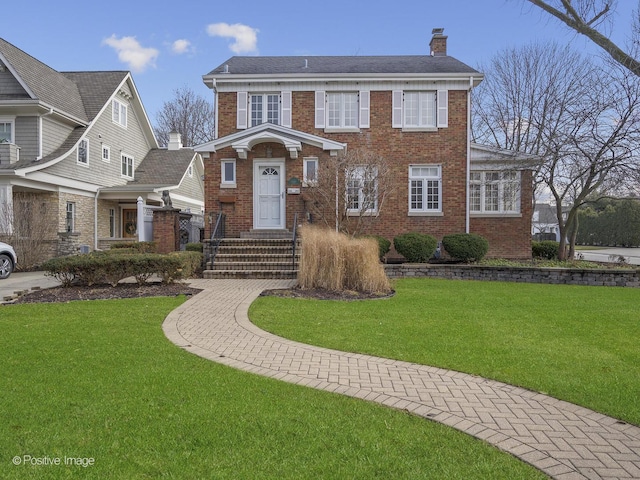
[
  {"x": 95, "y": 219},
  {"x": 468, "y": 189}
]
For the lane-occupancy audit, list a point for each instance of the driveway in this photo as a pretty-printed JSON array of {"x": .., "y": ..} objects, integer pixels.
[
  {"x": 19, "y": 281},
  {"x": 632, "y": 255}
]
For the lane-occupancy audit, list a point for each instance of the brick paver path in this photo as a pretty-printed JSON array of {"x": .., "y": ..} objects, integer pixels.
[{"x": 563, "y": 440}]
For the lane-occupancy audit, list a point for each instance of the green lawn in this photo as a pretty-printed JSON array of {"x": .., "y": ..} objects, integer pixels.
[
  {"x": 98, "y": 380},
  {"x": 580, "y": 344}
]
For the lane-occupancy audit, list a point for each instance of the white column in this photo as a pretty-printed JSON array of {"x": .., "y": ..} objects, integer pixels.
[
  {"x": 140, "y": 215},
  {"x": 6, "y": 209}
]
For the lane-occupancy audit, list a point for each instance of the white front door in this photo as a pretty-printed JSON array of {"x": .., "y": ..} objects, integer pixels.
[{"x": 268, "y": 188}]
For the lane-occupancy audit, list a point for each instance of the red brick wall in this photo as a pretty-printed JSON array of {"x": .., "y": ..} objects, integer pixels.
[
  {"x": 446, "y": 147},
  {"x": 166, "y": 226}
]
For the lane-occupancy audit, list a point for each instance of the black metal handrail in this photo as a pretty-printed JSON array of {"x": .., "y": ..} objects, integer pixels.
[
  {"x": 294, "y": 239},
  {"x": 217, "y": 234}
]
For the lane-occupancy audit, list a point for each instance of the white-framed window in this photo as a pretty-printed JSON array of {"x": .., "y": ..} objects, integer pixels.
[
  {"x": 127, "y": 166},
  {"x": 190, "y": 170},
  {"x": 265, "y": 108},
  {"x": 495, "y": 192},
  {"x": 112, "y": 222},
  {"x": 228, "y": 172},
  {"x": 342, "y": 109},
  {"x": 256, "y": 108},
  {"x": 119, "y": 113},
  {"x": 362, "y": 190},
  {"x": 83, "y": 152},
  {"x": 309, "y": 171},
  {"x": 106, "y": 153},
  {"x": 70, "y": 220},
  {"x": 6, "y": 130},
  {"x": 420, "y": 109},
  {"x": 425, "y": 188}
]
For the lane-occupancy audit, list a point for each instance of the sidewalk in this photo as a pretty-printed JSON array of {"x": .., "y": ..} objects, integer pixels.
[{"x": 563, "y": 440}]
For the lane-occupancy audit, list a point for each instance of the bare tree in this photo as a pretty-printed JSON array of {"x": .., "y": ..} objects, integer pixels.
[
  {"x": 188, "y": 114},
  {"x": 578, "y": 117},
  {"x": 351, "y": 190},
  {"x": 588, "y": 17},
  {"x": 28, "y": 227}
]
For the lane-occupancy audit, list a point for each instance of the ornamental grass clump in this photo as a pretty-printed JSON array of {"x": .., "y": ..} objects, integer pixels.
[{"x": 336, "y": 262}]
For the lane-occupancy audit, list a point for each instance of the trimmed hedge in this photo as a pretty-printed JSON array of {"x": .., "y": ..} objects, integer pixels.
[
  {"x": 100, "y": 267},
  {"x": 139, "y": 247},
  {"x": 466, "y": 247},
  {"x": 194, "y": 247},
  {"x": 415, "y": 247},
  {"x": 546, "y": 249}
]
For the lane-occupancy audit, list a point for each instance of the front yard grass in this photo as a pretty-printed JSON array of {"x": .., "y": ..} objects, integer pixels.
[
  {"x": 98, "y": 380},
  {"x": 579, "y": 344}
]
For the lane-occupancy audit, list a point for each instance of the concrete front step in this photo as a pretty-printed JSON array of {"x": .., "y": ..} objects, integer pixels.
[
  {"x": 267, "y": 234},
  {"x": 266, "y": 265},
  {"x": 250, "y": 274}
]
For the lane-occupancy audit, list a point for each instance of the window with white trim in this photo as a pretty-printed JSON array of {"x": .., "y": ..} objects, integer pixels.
[
  {"x": 190, "y": 171},
  {"x": 119, "y": 113},
  {"x": 228, "y": 173},
  {"x": 83, "y": 152},
  {"x": 425, "y": 188},
  {"x": 127, "y": 166},
  {"x": 362, "y": 190},
  {"x": 6, "y": 131},
  {"x": 420, "y": 109},
  {"x": 342, "y": 110},
  {"x": 112, "y": 223},
  {"x": 265, "y": 108},
  {"x": 495, "y": 192},
  {"x": 256, "y": 108},
  {"x": 106, "y": 153},
  {"x": 309, "y": 171},
  {"x": 70, "y": 220}
]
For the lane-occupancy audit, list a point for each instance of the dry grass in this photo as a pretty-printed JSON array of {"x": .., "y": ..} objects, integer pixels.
[{"x": 334, "y": 261}]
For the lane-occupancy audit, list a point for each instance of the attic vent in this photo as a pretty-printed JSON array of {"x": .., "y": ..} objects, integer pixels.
[
  {"x": 306, "y": 63},
  {"x": 226, "y": 68}
]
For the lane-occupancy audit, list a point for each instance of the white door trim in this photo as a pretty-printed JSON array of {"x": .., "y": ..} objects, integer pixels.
[{"x": 257, "y": 165}]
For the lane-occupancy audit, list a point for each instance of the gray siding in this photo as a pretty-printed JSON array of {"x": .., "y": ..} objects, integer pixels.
[
  {"x": 104, "y": 131},
  {"x": 27, "y": 137},
  {"x": 10, "y": 86},
  {"x": 53, "y": 135},
  {"x": 192, "y": 187}
]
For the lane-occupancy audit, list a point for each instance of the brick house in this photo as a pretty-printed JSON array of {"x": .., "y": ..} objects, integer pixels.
[{"x": 280, "y": 119}]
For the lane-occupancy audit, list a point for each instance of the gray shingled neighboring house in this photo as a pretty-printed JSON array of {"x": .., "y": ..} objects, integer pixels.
[{"x": 78, "y": 153}]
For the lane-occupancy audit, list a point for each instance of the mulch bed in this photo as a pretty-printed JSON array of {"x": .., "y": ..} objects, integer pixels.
[
  {"x": 132, "y": 290},
  {"x": 106, "y": 292}
]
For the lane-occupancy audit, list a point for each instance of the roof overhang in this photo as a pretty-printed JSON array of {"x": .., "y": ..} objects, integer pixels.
[
  {"x": 486, "y": 157},
  {"x": 244, "y": 141}
]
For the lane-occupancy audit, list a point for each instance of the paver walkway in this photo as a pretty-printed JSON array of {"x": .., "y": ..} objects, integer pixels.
[{"x": 563, "y": 440}]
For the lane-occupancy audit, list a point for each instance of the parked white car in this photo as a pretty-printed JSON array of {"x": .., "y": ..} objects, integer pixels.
[{"x": 8, "y": 260}]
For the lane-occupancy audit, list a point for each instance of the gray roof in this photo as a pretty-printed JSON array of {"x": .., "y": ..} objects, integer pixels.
[
  {"x": 47, "y": 85},
  {"x": 163, "y": 167},
  {"x": 318, "y": 65},
  {"x": 96, "y": 88}
]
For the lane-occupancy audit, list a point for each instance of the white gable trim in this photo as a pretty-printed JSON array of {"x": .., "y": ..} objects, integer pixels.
[{"x": 245, "y": 140}]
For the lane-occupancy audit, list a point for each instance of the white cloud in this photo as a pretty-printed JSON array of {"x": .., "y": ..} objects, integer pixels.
[
  {"x": 132, "y": 53},
  {"x": 245, "y": 38},
  {"x": 181, "y": 46}
]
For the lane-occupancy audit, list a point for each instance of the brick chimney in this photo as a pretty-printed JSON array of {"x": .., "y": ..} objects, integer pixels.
[{"x": 438, "y": 44}]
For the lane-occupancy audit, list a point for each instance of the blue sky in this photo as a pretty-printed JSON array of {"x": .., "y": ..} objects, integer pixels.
[{"x": 168, "y": 45}]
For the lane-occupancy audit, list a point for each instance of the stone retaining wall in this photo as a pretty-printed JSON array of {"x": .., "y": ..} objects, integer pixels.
[{"x": 568, "y": 276}]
